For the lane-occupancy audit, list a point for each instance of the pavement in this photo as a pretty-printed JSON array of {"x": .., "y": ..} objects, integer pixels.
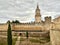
[{"x": 18, "y": 41}]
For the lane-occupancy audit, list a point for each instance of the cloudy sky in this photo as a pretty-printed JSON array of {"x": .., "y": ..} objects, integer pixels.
[{"x": 24, "y": 10}]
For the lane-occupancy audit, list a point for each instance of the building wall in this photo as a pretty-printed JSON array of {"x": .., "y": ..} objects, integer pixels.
[
  {"x": 47, "y": 19},
  {"x": 55, "y": 37},
  {"x": 27, "y": 27},
  {"x": 37, "y": 19},
  {"x": 3, "y": 27},
  {"x": 57, "y": 22}
]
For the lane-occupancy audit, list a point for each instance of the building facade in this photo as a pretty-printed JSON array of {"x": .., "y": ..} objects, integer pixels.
[{"x": 37, "y": 25}]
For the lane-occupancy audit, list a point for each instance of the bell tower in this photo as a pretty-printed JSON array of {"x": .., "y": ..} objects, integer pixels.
[{"x": 37, "y": 15}]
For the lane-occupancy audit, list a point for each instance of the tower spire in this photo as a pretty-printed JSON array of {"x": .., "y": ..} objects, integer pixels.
[
  {"x": 37, "y": 9},
  {"x": 37, "y": 6},
  {"x": 37, "y": 15}
]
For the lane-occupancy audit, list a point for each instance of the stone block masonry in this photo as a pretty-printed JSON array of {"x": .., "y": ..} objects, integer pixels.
[{"x": 55, "y": 37}]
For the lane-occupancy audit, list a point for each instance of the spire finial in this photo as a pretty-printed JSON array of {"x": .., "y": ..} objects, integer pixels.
[{"x": 37, "y": 6}]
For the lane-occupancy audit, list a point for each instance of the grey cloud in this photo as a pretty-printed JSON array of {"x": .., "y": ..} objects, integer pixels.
[
  {"x": 51, "y": 5},
  {"x": 24, "y": 10}
]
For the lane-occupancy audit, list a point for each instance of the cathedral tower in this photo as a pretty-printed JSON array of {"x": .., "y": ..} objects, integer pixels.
[{"x": 37, "y": 15}]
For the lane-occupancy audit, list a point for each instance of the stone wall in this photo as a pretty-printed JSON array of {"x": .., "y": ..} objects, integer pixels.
[
  {"x": 57, "y": 26},
  {"x": 3, "y": 27},
  {"x": 55, "y": 37},
  {"x": 28, "y": 27}
]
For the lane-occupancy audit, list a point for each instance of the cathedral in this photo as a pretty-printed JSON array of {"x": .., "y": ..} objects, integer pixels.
[{"x": 37, "y": 25}]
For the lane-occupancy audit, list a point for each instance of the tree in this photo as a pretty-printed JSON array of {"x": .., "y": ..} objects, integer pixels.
[
  {"x": 27, "y": 34},
  {"x": 13, "y": 21},
  {"x": 9, "y": 34},
  {"x": 16, "y": 21},
  {"x": 8, "y": 21}
]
